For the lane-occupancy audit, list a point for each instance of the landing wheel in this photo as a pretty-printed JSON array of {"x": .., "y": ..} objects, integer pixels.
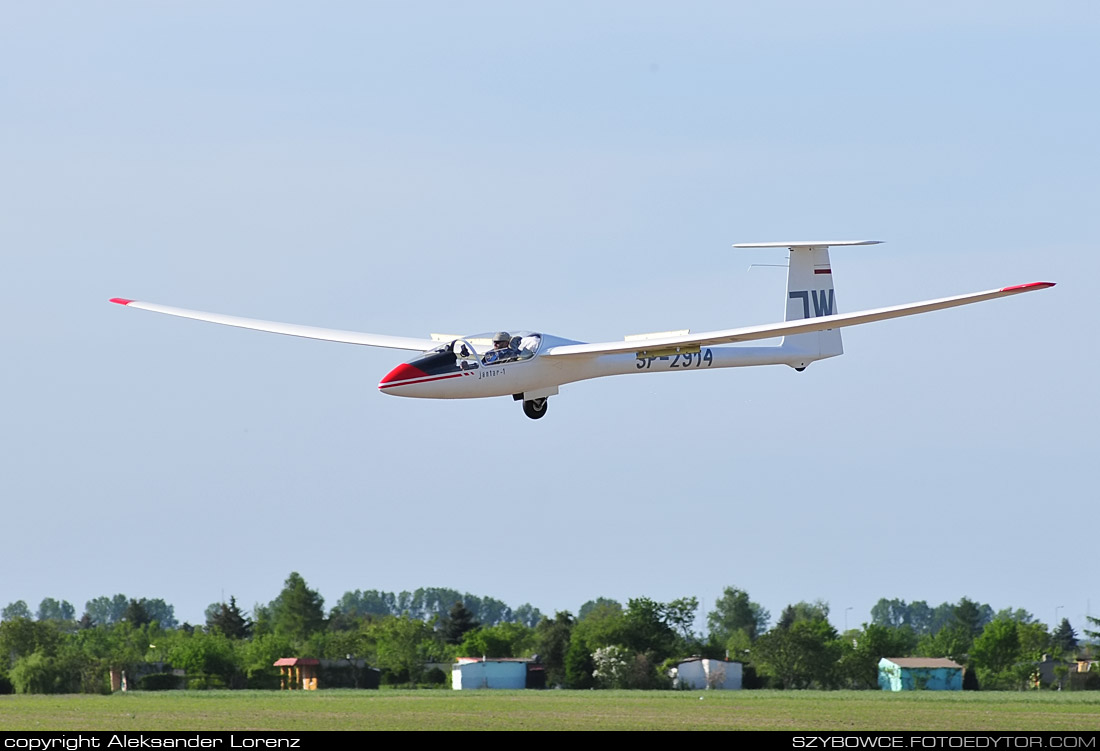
[
  {"x": 799, "y": 370},
  {"x": 534, "y": 408}
]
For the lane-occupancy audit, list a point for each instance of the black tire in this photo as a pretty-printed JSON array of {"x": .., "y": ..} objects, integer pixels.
[{"x": 534, "y": 408}]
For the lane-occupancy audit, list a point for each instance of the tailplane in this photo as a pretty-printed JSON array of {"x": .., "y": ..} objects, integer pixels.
[{"x": 810, "y": 294}]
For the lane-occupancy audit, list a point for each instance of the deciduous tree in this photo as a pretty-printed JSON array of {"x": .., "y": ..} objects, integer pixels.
[
  {"x": 402, "y": 644},
  {"x": 997, "y": 657},
  {"x": 1015, "y": 614},
  {"x": 646, "y": 629},
  {"x": 22, "y": 637},
  {"x": 52, "y": 610},
  {"x": 599, "y": 604},
  {"x": 502, "y": 640},
  {"x": 920, "y": 617},
  {"x": 552, "y": 643},
  {"x": 41, "y": 673},
  {"x": 159, "y": 611},
  {"x": 735, "y": 612},
  {"x": 680, "y": 616},
  {"x": 579, "y": 664},
  {"x": 818, "y": 610},
  {"x": 14, "y": 610},
  {"x": 952, "y": 641},
  {"x": 803, "y": 655},
  {"x": 897, "y": 614},
  {"x": 890, "y": 613},
  {"x": 105, "y": 611},
  {"x": 209, "y": 658},
  {"x": 528, "y": 615}
]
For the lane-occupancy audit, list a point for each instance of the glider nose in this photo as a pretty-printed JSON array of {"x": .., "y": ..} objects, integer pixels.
[{"x": 402, "y": 375}]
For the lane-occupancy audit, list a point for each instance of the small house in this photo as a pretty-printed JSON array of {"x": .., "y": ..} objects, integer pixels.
[
  {"x": 704, "y": 673},
  {"x": 919, "y": 673},
  {"x": 499, "y": 672},
  {"x": 298, "y": 673}
]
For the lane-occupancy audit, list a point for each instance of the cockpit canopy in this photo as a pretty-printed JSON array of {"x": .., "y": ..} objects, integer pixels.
[
  {"x": 520, "y": 346},
  {"x": 472, "y": 352}
]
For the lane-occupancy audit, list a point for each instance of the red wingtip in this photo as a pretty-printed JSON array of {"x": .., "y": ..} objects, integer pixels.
[
  {"x": 121, "y": 300},
  {"x": 1032, "y": 285}
]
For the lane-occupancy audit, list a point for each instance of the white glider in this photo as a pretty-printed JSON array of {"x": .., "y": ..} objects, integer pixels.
[{"x": 530, "y": 366}]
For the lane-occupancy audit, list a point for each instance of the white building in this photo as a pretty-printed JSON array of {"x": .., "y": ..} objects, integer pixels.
[
  {"x": 704, "y": 673},
  {"x": 476, "y": 672}
]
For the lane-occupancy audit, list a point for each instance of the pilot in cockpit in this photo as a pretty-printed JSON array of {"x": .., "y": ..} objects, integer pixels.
[{"x": 502, "y": 350}]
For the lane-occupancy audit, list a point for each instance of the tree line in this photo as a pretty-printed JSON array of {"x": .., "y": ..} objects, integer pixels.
[{"x": 412, "y": 637}]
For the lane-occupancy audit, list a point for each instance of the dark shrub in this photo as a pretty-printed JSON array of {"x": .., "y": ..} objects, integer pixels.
[{"x": 160, "y": 682}]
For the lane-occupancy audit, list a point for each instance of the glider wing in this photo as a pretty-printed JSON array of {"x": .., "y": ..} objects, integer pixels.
[
  {"x": 291, "y": 329},
  {"x": 683, "y": 342}
]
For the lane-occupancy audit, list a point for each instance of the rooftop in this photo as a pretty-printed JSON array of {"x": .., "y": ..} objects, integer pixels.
[{"x": 923, "y": 662}]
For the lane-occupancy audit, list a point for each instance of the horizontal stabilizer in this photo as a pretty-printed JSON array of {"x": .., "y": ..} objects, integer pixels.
[{"x": 809, "y": 244}]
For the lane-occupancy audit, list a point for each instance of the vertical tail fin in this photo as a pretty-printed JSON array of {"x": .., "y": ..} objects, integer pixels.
[{"x": 810, "y": 294}]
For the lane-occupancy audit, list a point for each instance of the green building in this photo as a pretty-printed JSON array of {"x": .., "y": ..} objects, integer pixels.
[{"x": 919, "y": 674}]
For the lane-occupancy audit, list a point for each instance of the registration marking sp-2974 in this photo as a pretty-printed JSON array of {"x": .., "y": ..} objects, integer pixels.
[{"x": 701, "y": 359}]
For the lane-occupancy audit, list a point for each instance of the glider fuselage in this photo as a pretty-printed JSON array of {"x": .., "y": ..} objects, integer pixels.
[{"x": 443, "y": 374}]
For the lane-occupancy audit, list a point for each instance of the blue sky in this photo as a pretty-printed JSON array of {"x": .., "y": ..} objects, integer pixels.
[{"x": 578, "y": 169}]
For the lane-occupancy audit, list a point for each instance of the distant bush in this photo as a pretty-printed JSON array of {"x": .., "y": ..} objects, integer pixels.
[
  {"x": 749, "y": 678},
  {"x": 970, "y": 680},
  {"x": 395, "y": 678},
  {"x": 160, "y": 682},
  {"x": 39, "y": 673},
  {"x": 341, "y": 674},
  {"x": 264, "y": 679},
  {"x": 205, "y": 682},
  {"x": 1089, "y": 681}
]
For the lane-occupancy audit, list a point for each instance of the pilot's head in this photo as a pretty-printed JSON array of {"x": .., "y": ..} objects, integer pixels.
[{"x": 501, "y": 339}]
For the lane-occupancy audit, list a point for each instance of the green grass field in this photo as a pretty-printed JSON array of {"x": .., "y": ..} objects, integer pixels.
[{"x": 553, "y": 710}]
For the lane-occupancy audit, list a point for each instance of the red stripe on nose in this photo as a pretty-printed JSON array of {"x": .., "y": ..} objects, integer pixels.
[{"x": 403, "y": 372}]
